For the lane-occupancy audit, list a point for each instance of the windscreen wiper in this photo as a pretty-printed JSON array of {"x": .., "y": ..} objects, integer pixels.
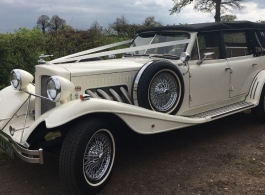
[
  {"x": 133, "y": 54},
  {"x": 168, "y": 56}
]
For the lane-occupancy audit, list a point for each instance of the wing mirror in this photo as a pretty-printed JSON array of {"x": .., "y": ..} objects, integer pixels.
[{"x": 205, "y": 56}]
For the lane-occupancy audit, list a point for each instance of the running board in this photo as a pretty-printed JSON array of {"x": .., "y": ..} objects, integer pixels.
[{"x": 224, "y": 110}]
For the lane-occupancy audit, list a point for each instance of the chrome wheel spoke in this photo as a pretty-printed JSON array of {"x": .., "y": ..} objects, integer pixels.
[
  {"x": 163, "y": 91},
  {"x": 97, "y": 157}
]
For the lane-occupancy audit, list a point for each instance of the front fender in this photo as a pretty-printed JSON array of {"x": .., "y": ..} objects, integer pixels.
[
  {"x": 139, "y": 119},
  {"x": 10, "y": 101}
]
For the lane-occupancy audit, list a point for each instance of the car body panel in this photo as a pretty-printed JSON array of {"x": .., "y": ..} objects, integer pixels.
[
  {"x": 105, "y": 66},
  {"x": 242, "y": 69},
  {"x": 204, "y": 80}
]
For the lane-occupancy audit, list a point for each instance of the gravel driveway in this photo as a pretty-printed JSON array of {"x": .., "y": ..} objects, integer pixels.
[{"x": 221, "y": 157}]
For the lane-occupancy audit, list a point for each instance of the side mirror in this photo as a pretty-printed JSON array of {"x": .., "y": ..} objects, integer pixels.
[
  {"x": 205, "y": 56},
  {"x": 185, "y": 57}
]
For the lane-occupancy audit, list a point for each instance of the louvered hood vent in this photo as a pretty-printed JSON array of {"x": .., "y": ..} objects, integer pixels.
[{"x": 116, "y": 93}]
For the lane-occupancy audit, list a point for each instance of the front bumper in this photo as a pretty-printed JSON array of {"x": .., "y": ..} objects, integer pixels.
[{"x": 30, "y": 156}]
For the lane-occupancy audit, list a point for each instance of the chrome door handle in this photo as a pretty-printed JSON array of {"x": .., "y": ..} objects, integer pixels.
[
  {"x": 226, "y": 69},
  {"x": 254, "y": 64}
]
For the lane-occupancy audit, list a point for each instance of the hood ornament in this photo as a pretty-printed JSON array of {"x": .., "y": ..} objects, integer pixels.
[{"x": 41, "y": 60}]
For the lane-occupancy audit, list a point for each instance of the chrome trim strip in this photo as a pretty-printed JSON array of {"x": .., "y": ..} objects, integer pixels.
[
  {"x": 223, "y": 110},
  {"x": 30, "y": 156},
  {"x": 255, "y": 90},
  {"x": 16, "y": 116},
  {"x": 136, "y": 81},
  {"x": 39, "y": 96},
  {"x": 252, "y": 86}
]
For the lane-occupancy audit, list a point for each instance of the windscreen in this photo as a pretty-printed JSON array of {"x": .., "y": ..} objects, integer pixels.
[{"x": 152, "y": 38}]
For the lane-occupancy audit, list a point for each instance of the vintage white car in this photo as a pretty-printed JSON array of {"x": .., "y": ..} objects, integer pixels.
[{"x": 169, "y": 78}]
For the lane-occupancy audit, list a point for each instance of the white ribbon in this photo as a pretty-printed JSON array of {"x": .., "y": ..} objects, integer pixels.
[
  {"x": 93, "y": 50},
  {"x": 118, "y": 51}
]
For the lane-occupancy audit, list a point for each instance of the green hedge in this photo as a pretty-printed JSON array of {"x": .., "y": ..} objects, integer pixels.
[{"x": 21, "y": 49}]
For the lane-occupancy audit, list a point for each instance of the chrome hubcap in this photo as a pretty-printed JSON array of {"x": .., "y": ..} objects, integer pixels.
[
  {"x": 97, "y": 157},
  {"x": 163, "y": 91}
]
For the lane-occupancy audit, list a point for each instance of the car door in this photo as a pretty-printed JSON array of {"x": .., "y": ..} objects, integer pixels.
[
  {"x": 209, "y": 81},
  {"x": 259, "y": 50},
  {"x": 241, "y": 61}
]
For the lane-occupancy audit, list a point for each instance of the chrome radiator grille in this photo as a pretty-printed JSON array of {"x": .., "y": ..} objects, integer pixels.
[{"x": 46, "y": 105}]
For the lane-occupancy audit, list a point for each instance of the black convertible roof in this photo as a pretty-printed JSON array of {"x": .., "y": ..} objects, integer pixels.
[{"x": 206, "y": 27}]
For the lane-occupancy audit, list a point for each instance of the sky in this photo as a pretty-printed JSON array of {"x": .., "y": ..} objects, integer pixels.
[{"x": 80, "y": 14}]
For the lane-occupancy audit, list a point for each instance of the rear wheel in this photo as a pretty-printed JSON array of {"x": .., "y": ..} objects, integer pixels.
[{"x": 87, "y": 156}]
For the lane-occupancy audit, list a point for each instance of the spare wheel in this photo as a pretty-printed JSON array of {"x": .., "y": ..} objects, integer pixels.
[{"x": 158, "y": 86}]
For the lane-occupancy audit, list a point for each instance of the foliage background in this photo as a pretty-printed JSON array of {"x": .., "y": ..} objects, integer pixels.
[{"x": 21, "y": 49}]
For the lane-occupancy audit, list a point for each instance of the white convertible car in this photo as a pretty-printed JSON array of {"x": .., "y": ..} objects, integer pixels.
[{"x": 169, "y": 78}]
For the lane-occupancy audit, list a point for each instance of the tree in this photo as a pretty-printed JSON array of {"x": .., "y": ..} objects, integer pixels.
[
  {"x": 56, "y": 23},
  {"x": 95, "y": 26},
  {"x": 261, "y": 21},
  {"x": 43, "y": 23},
  {"x": 65, "y": 27},
  {"x": 151, "y": 22},
  {"x": 228, "y": 18},
  {"x": 120, "y": 25},
  {"x": 208, "y": 6}
]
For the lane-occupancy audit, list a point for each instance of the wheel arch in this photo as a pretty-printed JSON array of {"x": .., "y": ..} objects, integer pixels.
[
  {"x": 37, "y": 137},
  {"x": 140, "y": 120},
  {"x": 256, "y": 87}
]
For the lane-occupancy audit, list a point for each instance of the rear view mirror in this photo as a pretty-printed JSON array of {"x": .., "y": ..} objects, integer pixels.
[{"x": 205, "y": 56}]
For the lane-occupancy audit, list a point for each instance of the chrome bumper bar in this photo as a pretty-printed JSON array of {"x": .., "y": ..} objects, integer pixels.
[{"x": 30, "y": 156}]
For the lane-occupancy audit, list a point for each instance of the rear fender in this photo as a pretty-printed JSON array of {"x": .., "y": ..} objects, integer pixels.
[{"x": 256, "y": 88}]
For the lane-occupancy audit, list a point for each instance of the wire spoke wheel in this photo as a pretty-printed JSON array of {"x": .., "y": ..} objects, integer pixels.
[
  {"x": 97, "y": 157},
  {"x": 159, "y": 86},
  {"x": 87, "y": 155},
  {"x": 164, "y": 91}
]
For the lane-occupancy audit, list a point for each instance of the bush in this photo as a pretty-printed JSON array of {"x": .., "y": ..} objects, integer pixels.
[{"x": 21, "y": 49}]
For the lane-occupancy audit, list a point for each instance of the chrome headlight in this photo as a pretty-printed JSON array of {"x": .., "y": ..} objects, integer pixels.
[
  {"x": 20, "y": 79},
  {"x": 15, "y": 79},
  {"x": 54, "y": 89},
  {"x": 184, "y": 57},
  {"x": 59, "y": 88}
]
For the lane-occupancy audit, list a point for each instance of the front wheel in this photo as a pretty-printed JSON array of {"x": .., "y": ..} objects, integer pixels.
[{"x": 87, "y": 156}]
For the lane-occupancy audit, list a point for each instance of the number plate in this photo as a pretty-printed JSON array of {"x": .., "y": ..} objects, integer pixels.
[{"x": 6, "y": 147}]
